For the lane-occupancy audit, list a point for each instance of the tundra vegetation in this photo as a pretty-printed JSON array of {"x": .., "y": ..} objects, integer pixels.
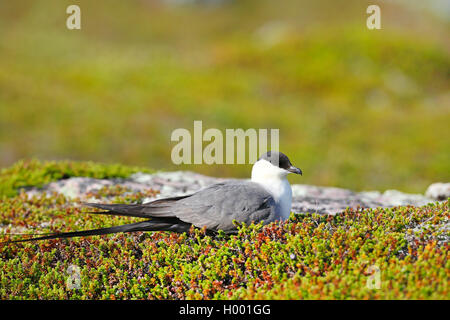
[{"x": 309, "y": 256}]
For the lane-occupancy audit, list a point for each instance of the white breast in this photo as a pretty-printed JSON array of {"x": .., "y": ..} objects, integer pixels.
[
  {"x": 273, "y": 179},
  {"x": 282, "y": 193}
]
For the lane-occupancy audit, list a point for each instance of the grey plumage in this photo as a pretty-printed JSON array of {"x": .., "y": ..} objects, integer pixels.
[
  {"x": 244, "y": 201},
  {"x": 266, "y": 198}
]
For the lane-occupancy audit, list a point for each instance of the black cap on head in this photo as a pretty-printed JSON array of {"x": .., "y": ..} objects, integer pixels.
[{"x": 281, "y": 160}]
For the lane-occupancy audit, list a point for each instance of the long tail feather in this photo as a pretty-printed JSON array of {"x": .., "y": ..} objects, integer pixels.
[
  {"x": 150, "y": 225},
  {"x": 128, "y": 210},
  {"x": 156, "y": 208},
  {"x": 162, "y": 219}
]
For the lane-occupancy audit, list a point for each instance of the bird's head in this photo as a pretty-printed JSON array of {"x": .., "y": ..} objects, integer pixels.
[{"x": 273, "y": 165}]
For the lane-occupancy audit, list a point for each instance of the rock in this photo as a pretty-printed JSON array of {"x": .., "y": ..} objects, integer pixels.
[
  {"x": 438, "y": 191},
  {"x": 397, "y": 198},
  {"x": 330, "y": 200},
  {"x": 306, "y": 198}
]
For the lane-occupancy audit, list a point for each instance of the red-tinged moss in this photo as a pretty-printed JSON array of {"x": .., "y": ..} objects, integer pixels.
[{"x": 308, "y": 257}]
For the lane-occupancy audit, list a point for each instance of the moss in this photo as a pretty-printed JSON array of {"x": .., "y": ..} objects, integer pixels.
[
  {"x": 34, "y": 173},
  {"x": 308, "y": 257}
]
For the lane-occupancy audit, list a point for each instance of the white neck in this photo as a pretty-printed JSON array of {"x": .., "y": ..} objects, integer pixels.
[{"x": 273, "y": 179}]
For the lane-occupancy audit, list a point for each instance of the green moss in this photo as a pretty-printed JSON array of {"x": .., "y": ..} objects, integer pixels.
[
  {"x": 308, "y": 257},
  {"x": 34, "y": 173}
]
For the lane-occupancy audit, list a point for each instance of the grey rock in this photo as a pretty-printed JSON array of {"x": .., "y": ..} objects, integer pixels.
[
  {"x": 306, "y": 198},
  {"x": 438, "y": 191}
]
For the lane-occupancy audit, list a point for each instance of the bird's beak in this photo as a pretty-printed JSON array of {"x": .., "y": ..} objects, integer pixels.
[{"x": 295, "y": 170}]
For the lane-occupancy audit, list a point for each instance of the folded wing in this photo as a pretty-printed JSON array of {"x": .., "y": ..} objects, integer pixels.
[{"x": 214, "y": 207}]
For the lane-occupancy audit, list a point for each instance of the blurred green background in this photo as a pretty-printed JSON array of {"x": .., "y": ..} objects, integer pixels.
[{"x": 356, "y": 108}]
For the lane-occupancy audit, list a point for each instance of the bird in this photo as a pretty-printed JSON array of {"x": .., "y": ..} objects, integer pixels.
[{"x": 266, "y": 197}]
